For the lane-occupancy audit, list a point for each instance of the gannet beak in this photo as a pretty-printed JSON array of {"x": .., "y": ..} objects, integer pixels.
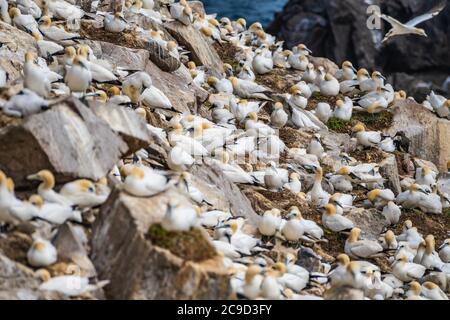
[
  {"x": 123, "y": 19},
  {"x": 443, "y": 245},
  {"x": 353, "y": 68},
  {"x": 339, "y": 204},
  {"x": 310, "y": 168},
  {"x": 33, "y": 177}
]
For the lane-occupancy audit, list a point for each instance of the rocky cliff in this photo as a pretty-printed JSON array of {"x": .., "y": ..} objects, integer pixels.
[{"x": 336, "y": 29}]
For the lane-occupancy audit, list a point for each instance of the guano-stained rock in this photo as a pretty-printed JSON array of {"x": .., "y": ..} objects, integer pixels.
[
  {"x": 202, "y": 53},
  {"x": 123, "y": 253},
  {"x": 69, "y": 139},
  {"x": 429, "y": 134}
]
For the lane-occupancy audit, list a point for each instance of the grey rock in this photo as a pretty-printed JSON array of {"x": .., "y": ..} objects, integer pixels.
[
  {"x": 125, "y": 122},
  {"x": 18, "y": 43},
  {"x": 370, "y": 221},
  {"x": 389, "y": 170},
  {"x": 309, "y": 260},
  {"x": 428, "y": 133},
  {"x": 202, "y": 52},
  {"x": 18, "y": 282},
  {"x": 69, "y": 139},
  {"x": 337, "y": 29},
  {"x": 71, "y": 249},
  {"x": 141, "y": 270},
  {"x": 222, "y": 193}
]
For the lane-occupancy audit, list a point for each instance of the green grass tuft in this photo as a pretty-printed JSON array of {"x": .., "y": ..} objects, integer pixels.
[{"x": 336, "y": 124}]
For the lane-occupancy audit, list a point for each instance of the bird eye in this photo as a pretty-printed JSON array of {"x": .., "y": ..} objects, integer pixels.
[{"x": 91, "y": 189}]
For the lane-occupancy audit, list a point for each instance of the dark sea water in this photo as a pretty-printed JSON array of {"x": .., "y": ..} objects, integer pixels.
[{"x": 252, "y": 10}]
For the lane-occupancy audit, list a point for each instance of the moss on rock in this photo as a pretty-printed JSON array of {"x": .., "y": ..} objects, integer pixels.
[{"x": 188, "y": 245}]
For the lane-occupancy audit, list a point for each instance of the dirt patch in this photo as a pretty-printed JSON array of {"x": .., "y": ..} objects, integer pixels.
[
  {"x": 317, "y": 98},
  {"x": 5, "y": 120},
  {"x": 373, "y": 155},
  {"x": 294, "y": 138},
  {"x": 190, "y": 245},
  {"x": 279, "y": 80},
  {"x": 227, "y": 53},
  {"x": 15, "y": 246},
  {"x": 437, "y": 225}
]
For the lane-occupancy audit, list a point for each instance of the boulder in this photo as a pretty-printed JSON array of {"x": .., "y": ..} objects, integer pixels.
[
  {"x": 389, "y": 170},
  {"x": 370, "y": 221},
  {"x": 427, "y": 132},
  {"x": 224, "y": 194},
  {"x": 122, "y": 57},
  {"x": 69, "y": 139},
  {"x": 308, "y": 259},
  {"x": 337, "y": 29},
  {"x": 202, "y": 53},
  {"x": 125, "y": 122},
  {"x": 129, "y": 42},
  {"x": 69, "y": 243},
  {"x": 327, "y": 64},
  {"x": 19, "y": 43},
  {"x": 176, "y": 86},
  {"x": 18, "y": 282},
  {"x": 154, "y": 264}
]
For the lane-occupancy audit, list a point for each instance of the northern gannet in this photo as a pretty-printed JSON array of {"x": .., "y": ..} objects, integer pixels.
[
  {"x": 42, "y": 253},
  {"x": 179, "y": 218},
  {"x": 444, "y": 251},
  {"x": 432, "y": 291},
  {"x": 63, "y": 10},
  {"x": 262, "y": 64},
  {"x": 388, "y": 241},
  {"x": 366, "y": 138},
  {"x": 318, "y": 196},
  {"x": 294, "y": 184},
  {"x": 270, "y": 222},
  {"x": 55, "y": 33},
  {"x": 45, "y": 189},
  {"x": 409, "y": 27},
  {"x": 82, "y": 193},
  {"x": 329, "y": 86},
  {"x": 356, "y": 248},
  {"x": 380, "y": 198},
  {"x": 26, "y": 22},
  {"x": 222, "y": 86},
  {"x": 392, "y": 213},
  {"x": 25, "y": 103},
  {"x": 182, "y": 13},
  {"x": 78, "y": 76},
  {"x": 115, "y": 23},
  {"x": 72, "y": 285},
  {"x": 253, "y": 280},
  {"x": 56, "y": 213},
  {"x": 323, "y": 111},
  {"x": 143, "y": 181},
  {"x": 34, "y": 77},
  {"x": 347, "y": 72},
  {"x": 247, "y": 89},
  {"x": 297, "y": 61},
  {"x": 335, "y": 222},
  {"x": 134, "y": 84},
  {"x": 270, "y": 287},
  {"x": 279, "y": 117},
  {"x": 407, "y": 271}
]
